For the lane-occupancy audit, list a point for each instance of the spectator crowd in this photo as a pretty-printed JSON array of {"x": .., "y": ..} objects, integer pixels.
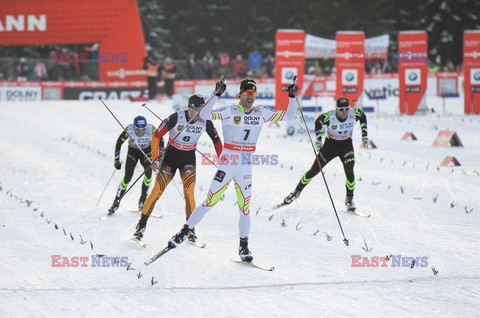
[{"x": 35, "y": 64}]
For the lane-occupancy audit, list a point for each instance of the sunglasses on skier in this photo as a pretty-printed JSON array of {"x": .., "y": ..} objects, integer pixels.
[
  {"x": 249, "y": 93},
  {"x": 343, "y": 109}
]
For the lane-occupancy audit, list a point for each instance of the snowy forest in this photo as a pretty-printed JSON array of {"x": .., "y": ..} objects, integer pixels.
[{"x": 173, "y": 28}]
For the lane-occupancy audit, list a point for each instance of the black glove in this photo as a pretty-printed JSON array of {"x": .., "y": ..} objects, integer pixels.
[
  {"x": 117, "y": 164},
  {"x": 292, "y": 90},
  {"x": 220, "y": 87}
]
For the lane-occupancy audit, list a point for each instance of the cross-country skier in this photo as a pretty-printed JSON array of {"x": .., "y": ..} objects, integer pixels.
[
  {"x": 139, "y": 135},
  {"x": 338, "y": 143},
  {"x": 241, "y": 124},
  {"x": 179, "y": 154}
]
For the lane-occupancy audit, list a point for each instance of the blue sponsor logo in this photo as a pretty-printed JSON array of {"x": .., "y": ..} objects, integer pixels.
[
  {"x": 349, "y": 77},
  {"x": 412, "y": 76},
  {"x": 289, "y": 75}
]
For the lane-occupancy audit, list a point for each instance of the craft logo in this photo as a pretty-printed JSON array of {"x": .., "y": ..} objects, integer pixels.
[
  {"x": 334, "y": 127},
  {"x": 237, "y": 120},
  {"x": 180, "y": 127},
  {"x": 89, "y": 261},
  {"x": 394, "y": 261}
]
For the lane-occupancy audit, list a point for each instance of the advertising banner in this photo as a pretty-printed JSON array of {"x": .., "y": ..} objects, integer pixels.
[
  {"x": 114, "y": 27},
  {"x": 412, "y": 70},
  {"x": 19, "y": 94},
  {"x": 321, "y": 48},
  {"x": 289, "y": 61},
  {"x": 471, "y": 66},
  {"x": 87, "y": 93},
  {"x": 350, "y": 64}
]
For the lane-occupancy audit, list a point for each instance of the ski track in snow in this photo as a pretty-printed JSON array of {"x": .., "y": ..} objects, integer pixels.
[{"x": 60, "y": 154}]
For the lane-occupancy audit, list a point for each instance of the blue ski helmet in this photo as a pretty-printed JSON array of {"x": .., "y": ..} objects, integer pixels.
[{"x": 140, "y": 122}]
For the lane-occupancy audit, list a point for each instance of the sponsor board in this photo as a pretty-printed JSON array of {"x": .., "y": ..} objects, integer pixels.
[
  {"x": 75, "y": 93},
  {"x": 19, "y": 94}
]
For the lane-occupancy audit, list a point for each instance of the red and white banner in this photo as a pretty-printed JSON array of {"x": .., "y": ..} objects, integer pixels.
[
  {"x": 412, "y": 70},
  {"x": 350, "y": 64},
  {"x": 471, "y": 66},
  {"x": 321, "y": 48},
  {"x": 114, "y": 25},
  {"x": 289, "y": 61}
]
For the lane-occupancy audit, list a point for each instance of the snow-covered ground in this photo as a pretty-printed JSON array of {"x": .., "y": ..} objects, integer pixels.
[{"x": 59, "y": 157}]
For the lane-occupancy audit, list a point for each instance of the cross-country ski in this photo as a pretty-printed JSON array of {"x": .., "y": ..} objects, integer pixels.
[{"x": 239, "y": 159}]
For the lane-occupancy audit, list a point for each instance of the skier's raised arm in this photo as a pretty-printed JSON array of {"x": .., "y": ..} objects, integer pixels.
[
  {"x": 206, "y": 112},
  {"x": 291, "y": 112}
]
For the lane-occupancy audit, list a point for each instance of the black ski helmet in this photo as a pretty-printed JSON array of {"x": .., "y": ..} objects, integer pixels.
[
  {"x": 196, "y": 101},
  {"x": 342, "y": 102},
  {"x": 247, "y": 85}
]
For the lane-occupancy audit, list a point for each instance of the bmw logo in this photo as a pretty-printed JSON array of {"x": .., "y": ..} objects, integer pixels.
[
  {"x": 289, "y": 75},
  {"x": 476, "y": 76},
  {"x": 349, "y": 77},
  {"x": 412, "y": 76}
]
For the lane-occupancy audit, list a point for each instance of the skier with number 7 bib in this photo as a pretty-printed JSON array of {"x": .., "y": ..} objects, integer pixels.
[
  {"x": 242, "y": 124},
  {"x": 338, "y": 143}
]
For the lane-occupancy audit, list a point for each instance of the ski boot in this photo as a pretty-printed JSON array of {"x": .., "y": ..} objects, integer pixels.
[
  {"x": 291, "y": 197},
  {"x": 243, "y": 250},
  {"x": 191, "y": 235},
  {"x": 178, "y": 238},
  {"x": 141, "y": 226},
  {"x": 349, "y": 204},
  {"x": 114, "y": 207},
  {"x": 141, "y": 202}
]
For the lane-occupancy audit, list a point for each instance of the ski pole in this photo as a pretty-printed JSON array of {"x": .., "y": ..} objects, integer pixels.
[
  {"x": 164, "y": 149},
  {"x": 345, "y": 240},
  {"x": 134, "y": 140},
  {"x": 108, "y": 182},
  {"x": 161, "y": 121}
]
